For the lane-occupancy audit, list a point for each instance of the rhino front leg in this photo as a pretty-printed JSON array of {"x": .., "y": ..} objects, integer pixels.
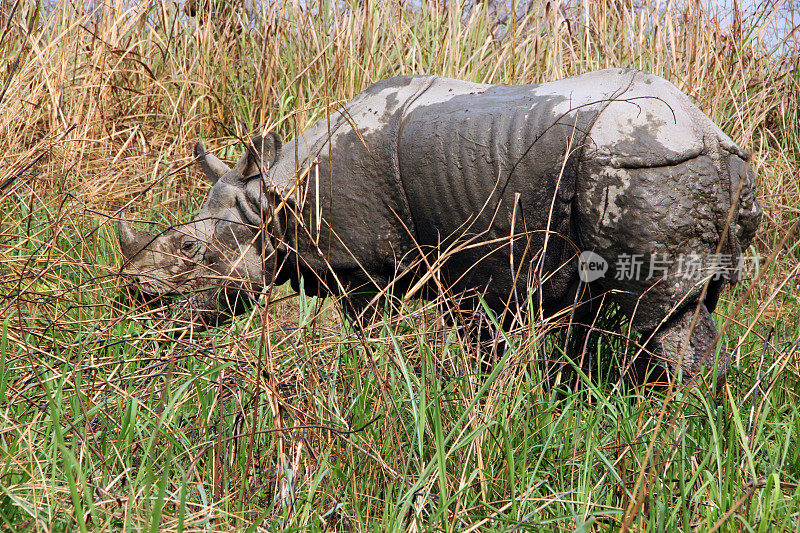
[{"x": 679, "y": 344}]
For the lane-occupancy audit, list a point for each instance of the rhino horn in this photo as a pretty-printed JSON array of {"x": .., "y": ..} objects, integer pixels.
[
  {"x": 131, "y": 240},
  {"x": 212, "y": 167}
]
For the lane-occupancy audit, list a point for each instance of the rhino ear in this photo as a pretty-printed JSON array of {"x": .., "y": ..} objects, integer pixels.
[
  {"x": 212, "y": 167},
  {"x": 260, "y": 155},
  {"x": 267, "y": 147}
]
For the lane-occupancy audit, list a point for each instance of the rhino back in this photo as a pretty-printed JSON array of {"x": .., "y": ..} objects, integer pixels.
[{"x": 470, "y": 155}]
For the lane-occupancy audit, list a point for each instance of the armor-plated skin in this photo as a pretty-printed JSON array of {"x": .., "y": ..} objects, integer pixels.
[{"x": 618, "y": 162}]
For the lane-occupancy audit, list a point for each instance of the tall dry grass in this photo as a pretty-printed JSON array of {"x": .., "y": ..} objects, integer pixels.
[{"x": 111, "y": 420}]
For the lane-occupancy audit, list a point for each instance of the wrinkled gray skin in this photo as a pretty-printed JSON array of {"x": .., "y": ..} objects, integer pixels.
[{"x": 614, "y": 161}]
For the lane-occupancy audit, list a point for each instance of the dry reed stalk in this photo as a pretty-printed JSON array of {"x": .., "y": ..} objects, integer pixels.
[{"x": 99, "y": 104}]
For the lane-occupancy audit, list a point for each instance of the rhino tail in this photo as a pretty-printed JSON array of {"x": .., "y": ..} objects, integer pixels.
[
  {"x": 743, "y": 194},
  {"x": 750, "y": 211}
]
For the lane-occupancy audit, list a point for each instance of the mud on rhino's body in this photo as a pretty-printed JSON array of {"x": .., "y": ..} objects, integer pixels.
[{"x": 617, "y": 162}]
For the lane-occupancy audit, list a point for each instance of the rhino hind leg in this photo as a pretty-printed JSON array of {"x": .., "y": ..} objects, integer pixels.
[{"x": 679, "y": 344}]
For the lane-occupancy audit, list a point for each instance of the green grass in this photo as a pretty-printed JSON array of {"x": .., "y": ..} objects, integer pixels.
[
  {"x": 286, "y": 419},
  {"x": 397, "y": 433}
]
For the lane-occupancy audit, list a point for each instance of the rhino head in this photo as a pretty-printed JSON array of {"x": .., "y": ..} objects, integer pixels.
[{"x": 215, "y": 262}]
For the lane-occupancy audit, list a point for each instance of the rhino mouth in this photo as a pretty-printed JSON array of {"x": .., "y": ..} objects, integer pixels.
[
  {"x": 199, "y": 303},
  {"x": 200, "y": 310}
]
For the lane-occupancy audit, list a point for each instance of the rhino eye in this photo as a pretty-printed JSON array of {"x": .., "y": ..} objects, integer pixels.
[{"x": 188, "y": 246}]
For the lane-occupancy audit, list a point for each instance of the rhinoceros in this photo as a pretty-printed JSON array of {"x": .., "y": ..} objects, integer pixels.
[{"x": 422, "y": 181}]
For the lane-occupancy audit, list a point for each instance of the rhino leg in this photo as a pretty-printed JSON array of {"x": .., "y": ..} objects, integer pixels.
[{"x": 691, "y": 347}]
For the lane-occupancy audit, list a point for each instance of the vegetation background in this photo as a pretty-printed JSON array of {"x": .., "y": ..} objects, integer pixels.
[{"x": 285, "y": 419}]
